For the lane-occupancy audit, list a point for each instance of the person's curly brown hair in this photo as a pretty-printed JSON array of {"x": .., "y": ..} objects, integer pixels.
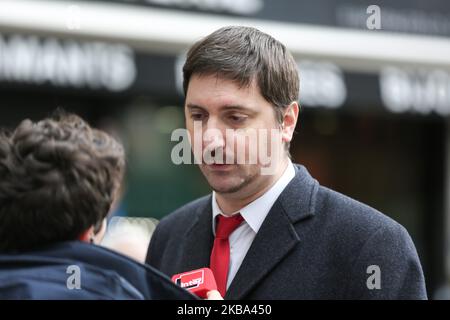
[{"x": 58, "y": 177}]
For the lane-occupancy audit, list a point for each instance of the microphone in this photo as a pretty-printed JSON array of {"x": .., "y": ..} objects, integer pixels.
[{"x": 198, "y": 282}]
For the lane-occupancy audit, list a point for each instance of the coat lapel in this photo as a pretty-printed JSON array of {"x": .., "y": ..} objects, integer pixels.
[
  {"x": 274, "y": 241},
  {"x": 277, "y": 236},
  {"x": 199, "y": 239}
]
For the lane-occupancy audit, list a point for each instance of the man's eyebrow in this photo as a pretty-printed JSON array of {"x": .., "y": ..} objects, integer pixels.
[
  {"x": 236, "y": 107},
  {"x": 224, "y": 107},
  {"x": 191, "y": 106}
]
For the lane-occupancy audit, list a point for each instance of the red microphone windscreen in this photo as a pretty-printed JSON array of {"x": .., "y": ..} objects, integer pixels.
[{"x": 198, "y": 282}]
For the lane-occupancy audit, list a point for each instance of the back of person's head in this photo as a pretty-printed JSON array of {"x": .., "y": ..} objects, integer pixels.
[{"x": 58, "y": 178}]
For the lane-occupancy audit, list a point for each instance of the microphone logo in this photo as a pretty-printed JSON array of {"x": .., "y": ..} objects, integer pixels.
[{"x": 190, "y": 280}]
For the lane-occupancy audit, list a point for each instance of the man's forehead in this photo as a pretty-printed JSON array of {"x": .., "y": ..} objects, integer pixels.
[
  {"x": 209, "y": 91},
  {"x": 222, "y": 80}
]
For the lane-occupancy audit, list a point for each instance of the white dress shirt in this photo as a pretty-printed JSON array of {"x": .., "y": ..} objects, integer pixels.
[{"x": 254, "y": 214}]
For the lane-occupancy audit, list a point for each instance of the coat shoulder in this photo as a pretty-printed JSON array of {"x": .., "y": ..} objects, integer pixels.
[
  {"x": 350, "y": 215},
  {"x": 186, "y": 213},
  {"x": 358, "y": 237},
  {"x": 175, "y": 223}
]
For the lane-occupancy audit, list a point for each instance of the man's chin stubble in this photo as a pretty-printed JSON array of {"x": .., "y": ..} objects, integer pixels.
[{"x": 234, "y": 189}]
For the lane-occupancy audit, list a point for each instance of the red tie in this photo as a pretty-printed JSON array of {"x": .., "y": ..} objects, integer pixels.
[{"x": 220, "y": 255}]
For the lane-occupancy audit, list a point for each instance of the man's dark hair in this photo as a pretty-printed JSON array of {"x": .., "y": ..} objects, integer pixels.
[
  {"x": 243, "y": 55},
  {"x": 58, "y": 177}
]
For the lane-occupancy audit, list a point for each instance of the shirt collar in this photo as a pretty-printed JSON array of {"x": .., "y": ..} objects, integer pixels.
[{"x": 255, "y": 212}]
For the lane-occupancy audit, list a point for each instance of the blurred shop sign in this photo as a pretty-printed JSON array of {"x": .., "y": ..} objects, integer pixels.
[
  {"x": 420, "y": 91},
  {"x": 28, "y": 59},
  {"x": 91, "y": 68},
  {"x": 417, "y": 17},
  {"x": 321, "y": 84}
]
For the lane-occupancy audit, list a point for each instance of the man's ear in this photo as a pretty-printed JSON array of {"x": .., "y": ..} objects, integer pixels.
[
  {"x": 290, "y": 118},
  {"x": 88, "y": 235}
]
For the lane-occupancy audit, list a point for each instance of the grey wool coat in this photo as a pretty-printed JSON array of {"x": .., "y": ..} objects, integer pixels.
[{"x": 315, "y": 243}]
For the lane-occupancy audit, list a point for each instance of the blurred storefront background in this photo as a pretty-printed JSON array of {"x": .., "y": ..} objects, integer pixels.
[{"x": 375, "y": 102}]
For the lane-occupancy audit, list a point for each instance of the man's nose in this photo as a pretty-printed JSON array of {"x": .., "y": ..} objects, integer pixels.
[{"x": 213, "y": 137}]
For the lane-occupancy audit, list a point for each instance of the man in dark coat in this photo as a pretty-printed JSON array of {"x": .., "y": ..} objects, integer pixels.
[{"x": 269, "y": 230}]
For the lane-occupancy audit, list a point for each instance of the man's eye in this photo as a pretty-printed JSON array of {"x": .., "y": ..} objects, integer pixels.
[
  {"x": 237, "y": 118},
  {"x": 197, "y": 116}
]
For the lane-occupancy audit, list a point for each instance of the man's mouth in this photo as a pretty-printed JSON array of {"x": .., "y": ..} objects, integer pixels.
[{"x": 220, "y": 167}]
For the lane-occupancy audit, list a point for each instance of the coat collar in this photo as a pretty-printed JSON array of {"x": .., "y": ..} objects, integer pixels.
[{"x": 199, "y": 238}]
